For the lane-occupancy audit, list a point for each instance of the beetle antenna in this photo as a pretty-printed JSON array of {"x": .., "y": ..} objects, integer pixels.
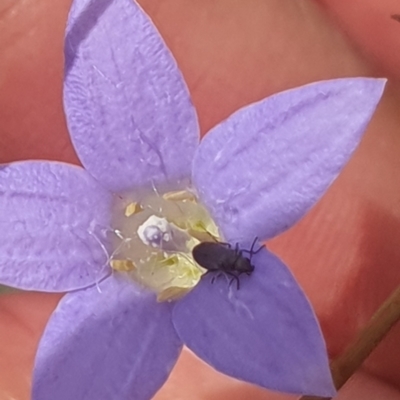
[{"x": 251, "y": 251}]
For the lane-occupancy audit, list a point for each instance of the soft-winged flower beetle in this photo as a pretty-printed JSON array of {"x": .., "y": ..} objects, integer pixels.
[{"x": 221, "y": 258}]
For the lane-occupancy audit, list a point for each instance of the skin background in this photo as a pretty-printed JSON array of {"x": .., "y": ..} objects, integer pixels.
[{"x": 345, "y": 252}]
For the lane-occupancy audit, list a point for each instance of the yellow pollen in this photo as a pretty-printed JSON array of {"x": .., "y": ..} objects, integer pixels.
[
  {"x": 203, "y": 233},
  {"x": 122, "y": 265},
  {"x": 172, "y": 293},
  {"x": 180, "y": 195},
  {"x": 132, "y": 208}
]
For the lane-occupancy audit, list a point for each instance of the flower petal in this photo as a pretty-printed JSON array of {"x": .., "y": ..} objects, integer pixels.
[
  {"x": 271, "y": 161},
  {"x": 54, "y": 216},
  {"x": 110, "y": 342},
  {"x": 265, "y": 332},
  {"x": 128, "y": 109}
]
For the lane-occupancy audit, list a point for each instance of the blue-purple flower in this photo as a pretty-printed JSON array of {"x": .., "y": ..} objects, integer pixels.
[{"x": 135, "y": 130}]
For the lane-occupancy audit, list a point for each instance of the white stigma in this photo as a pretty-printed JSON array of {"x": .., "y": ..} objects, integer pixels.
[
  {"x": 158, "y": 232},
  {"x": 154, "y": 231}
]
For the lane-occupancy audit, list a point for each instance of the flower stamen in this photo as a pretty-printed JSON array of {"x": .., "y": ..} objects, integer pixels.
[
  {"x": 132, "y": 208},
  {"x": 122, "y": 265},
  {"x": 155, "y": 242}
]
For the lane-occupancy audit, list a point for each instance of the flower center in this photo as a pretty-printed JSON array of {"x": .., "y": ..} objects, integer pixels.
[{"x": 155, "y": 238}]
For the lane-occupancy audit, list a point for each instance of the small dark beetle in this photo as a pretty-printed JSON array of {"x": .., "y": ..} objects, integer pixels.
[{"x": 223, "y": 259}]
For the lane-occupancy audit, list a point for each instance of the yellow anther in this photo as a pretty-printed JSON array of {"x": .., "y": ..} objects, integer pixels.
[
  {"x": 203, "y": 232},
  {"x": 180, "y": 195},
  {"x": 172, "y": 293},
  {"x": 168, "y": 261},
  {"x": 132, "y": 208},
  {"x": 122, "y": 265}
]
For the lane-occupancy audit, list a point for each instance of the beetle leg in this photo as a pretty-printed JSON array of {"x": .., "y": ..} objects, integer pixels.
[
  {"x": 215, "y": 276},
  {"x": 206, "y": 273},
  {"x": 234, "y": 277}
]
